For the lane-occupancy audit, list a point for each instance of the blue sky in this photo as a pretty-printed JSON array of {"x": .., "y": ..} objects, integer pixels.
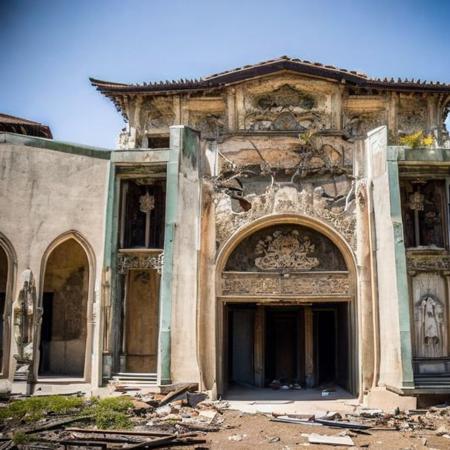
[{"x": 50, "y": 48}]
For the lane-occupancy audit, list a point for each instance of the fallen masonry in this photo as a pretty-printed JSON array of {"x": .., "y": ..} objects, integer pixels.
[{"x": 189, "y": 419}]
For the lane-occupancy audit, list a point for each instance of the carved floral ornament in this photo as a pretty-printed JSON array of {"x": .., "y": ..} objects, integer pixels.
[
  {"x": 285, "y": 251},
  {"x": 127, "y": 262},
  {"x": 146, "y": 203},
  {"x": 297, "y": 285}
]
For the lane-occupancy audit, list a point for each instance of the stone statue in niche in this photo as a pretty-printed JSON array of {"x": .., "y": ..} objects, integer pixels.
[
  {"x": 285, "y": 251},
  {"x": 430, "y": 326},
  {"x": 27, "y": 318}
]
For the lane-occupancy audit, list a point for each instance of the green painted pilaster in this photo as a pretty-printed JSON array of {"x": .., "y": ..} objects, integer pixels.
[
  {"x": 109, "y": 258},
  {"x": 165, "y": 298},
  {"x": 401, "y": 269},
  {"x": 183, "y": 156}
]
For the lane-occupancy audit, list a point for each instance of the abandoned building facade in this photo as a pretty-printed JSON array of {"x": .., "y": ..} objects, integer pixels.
[{"x": 266, "y": 223}]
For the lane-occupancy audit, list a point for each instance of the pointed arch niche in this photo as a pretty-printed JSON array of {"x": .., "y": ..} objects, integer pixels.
[
  {"x": 8, "y": 263},
  {"x": 67, "y": 282}
]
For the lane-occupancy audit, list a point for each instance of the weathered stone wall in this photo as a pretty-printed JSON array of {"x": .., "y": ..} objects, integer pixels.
[{"x": 46, "y": 193}]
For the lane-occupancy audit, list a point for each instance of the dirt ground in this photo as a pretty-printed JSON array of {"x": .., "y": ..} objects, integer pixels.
[{"x": 258, "y": 431}]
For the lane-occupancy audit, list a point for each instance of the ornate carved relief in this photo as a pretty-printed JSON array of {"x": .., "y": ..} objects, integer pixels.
[
  {"x": 412, "y": 115},
  {"x": 418, "y": 262},
  {"x": 146, "y": 203},
  {"x": 126, "y": 262},
  {"x": 209, "y": 125},
  {"x": 285, "y": 250},
  {"x": 359, "y": 123},
  {"x": 156, "y": 113},
  {"x": 308, "y": 284},
  {"x": 284, "y": 109},
  {"x": 311, "y": 201}
]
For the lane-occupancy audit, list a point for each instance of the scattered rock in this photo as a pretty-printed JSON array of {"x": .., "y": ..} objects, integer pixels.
[
  {"x": 442, "y": 430},
  {"x": 237, "y": 437}
]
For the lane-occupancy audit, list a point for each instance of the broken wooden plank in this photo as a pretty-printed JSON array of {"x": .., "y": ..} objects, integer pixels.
[
  {"x": 177, "y": 392},
  {"x": 295, "y": 421},
  {"x": 56, "y": 424},
  {"x": 154, "y": 443},
  {"x": 80, "y": 443},
  {"x": 198, "y": 427},
  {"x": 330, "y": 440},
  {"x": 123, "y": 432},
  {"x": 341, "y": 424},
  {"x": 107, "y": 439}
]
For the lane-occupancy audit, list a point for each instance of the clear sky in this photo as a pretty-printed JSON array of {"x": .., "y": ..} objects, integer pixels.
[{"x": 49, "y": 48}]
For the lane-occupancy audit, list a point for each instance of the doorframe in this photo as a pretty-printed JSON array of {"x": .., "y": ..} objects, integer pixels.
[{"x": 350, "y": 261}]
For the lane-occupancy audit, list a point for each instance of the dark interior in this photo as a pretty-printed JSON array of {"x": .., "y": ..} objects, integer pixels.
[{"x": 284, "y": 345}]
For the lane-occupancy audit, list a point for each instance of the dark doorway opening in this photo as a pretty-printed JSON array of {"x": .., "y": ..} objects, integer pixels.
[
  {"x": 284, "y": 346},
  {"x": 325, "y": 338},
  {"x": 64, "y": 320},
  {"x": 46, "y": 333},
  {"x": 302, "y": 345},
  {"x": 241, "y": 335}
]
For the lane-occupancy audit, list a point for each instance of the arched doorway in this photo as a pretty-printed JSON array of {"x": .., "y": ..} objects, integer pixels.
[
  {"x": 65, "y": 294},
  {"x": 286, "y": 296},
  {"x": 7, "y": 274},
  {"x": 3, "y": 286}
]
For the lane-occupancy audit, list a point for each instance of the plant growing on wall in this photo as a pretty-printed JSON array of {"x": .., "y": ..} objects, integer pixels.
[{"x": 417, "y": 140}]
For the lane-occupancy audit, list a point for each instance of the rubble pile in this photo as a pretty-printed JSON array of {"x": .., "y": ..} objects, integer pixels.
[
  {"x": 364, "y": 421},
  {"x": 179, "y": 418}
]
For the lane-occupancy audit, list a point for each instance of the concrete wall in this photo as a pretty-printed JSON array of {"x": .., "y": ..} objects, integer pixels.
[{"x": 46, "y": 190}]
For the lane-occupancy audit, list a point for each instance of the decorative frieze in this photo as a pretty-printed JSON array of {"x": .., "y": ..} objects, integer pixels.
[
  {"x": 300, "y": 285},
  {"x": 428, "y": 262},
  {"x": 127, "y": 261}
]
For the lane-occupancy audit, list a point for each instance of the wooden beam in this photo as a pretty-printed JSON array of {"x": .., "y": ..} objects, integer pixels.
[{"x": 309, "y": 347}]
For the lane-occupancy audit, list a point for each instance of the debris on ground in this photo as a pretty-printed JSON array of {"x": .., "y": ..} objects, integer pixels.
[
  {"x": 185, "y": 417},
  {"x": 330, "y": 440},
  {"x": 179, "y": 418}
]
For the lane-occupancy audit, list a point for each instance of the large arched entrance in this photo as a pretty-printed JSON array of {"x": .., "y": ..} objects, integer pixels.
[
  {"x": 65, "y": 294},
  {"x": 286, "y": 294}
]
